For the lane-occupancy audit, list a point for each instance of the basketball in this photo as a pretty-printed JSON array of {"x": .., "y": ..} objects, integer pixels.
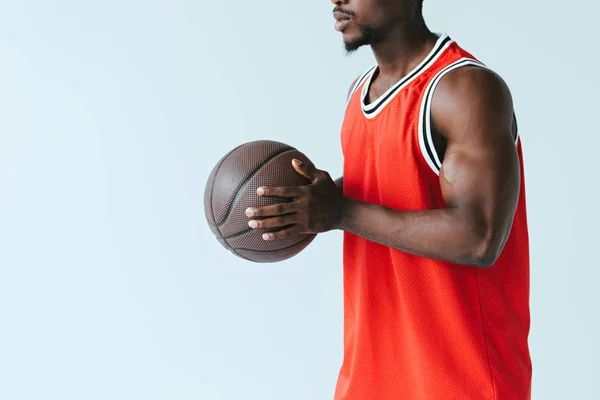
[{"x": 231, "y": 189}]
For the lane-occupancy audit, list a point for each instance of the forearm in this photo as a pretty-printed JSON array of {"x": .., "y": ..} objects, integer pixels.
[{"x": 447, "y": 234}]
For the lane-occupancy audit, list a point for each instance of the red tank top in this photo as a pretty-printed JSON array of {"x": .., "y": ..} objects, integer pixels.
[{"x": 417, "y": 328}]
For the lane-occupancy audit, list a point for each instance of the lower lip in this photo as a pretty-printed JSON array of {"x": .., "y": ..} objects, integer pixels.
[{"x": 340, "y": 25}]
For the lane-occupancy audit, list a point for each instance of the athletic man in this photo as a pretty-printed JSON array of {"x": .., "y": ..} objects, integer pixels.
[{"x": 432, "y": 205}]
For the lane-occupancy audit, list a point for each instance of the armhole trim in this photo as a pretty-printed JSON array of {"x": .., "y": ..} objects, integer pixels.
[{"x": 428, "y": 150}]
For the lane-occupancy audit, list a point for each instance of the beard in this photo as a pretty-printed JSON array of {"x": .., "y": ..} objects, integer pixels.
[{"x": 369, "y": 36}]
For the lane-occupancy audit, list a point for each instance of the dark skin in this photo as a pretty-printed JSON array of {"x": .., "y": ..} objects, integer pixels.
[{"x": 472, "y": 112}]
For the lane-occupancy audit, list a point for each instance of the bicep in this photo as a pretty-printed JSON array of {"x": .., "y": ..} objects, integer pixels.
[
  {"x": 480, "y": 174},
  {"x": 482, "y": 179}
]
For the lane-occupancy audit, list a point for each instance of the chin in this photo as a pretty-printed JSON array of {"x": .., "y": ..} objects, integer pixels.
[
  {"x": 353, "y": 43},
  {"x": 350, "y": 35}
]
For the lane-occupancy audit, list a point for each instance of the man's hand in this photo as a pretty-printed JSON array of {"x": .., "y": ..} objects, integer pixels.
[{"x": 316, "y": 208}]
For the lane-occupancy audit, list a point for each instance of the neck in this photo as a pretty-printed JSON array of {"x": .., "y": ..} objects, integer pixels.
[{"x": 403, "y": 49}]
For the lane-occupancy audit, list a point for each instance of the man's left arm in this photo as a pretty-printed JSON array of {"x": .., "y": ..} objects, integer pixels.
[{"x": 480, "y": 180}]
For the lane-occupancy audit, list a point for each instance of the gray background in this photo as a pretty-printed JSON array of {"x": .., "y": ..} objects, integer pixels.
[{"x": 112, "y": 114}]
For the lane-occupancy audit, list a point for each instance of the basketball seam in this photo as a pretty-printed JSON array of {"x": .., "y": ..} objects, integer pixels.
[
  {"x": 212, "y": 209},
  {"x": 212, "y": 187},
  {"x": 229, "y": 247},
  {"x": 274, "y": 250},
  {"x": 238, "y": 254},
  {"x": 245, "y": 182},
  {"x": 240, "y": 233}
]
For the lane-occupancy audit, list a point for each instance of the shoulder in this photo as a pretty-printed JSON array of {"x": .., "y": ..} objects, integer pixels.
[
  {"x": 470, "y": 84},
  {"x": 351, "y": 88},
  {"x": 471, "y": 97}
]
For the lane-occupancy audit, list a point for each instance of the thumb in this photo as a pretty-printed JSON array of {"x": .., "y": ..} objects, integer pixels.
[{"x": 306, "y": 170}]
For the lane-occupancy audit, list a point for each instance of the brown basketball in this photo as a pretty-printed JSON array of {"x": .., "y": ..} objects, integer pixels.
[{"x": 231, "y": 188}]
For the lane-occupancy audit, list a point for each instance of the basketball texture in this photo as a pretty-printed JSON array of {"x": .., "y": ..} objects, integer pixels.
[{"x": 231, "y": 189}]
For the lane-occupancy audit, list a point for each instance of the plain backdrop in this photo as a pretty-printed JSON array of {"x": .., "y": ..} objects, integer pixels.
[{"x": 113, "y": 113}]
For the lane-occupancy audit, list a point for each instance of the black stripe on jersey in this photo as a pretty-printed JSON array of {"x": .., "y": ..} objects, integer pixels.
[
  {"x": 426, "y": 119},
  {"x": 427, "y": 135},
  {"x": 406, "y": 78},
  {"x": 360, "y": 81}
]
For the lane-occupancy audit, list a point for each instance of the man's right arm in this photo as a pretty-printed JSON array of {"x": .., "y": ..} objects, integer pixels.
[{"x": 340, "y": 181}]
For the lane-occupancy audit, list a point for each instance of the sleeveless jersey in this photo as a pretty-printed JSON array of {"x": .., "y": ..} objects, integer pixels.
[{"x": 416, "y": 328}]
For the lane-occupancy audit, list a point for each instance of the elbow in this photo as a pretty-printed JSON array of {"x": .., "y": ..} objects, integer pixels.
[
  {"x": 484, "y": 260},
  {"x": 487, "y": 250}
]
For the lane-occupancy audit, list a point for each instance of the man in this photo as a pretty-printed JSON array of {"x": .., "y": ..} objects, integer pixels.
[{"x": 432, "y": 205}]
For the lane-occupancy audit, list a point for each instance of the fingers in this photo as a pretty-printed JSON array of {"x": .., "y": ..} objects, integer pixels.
[
  {"x": 294, "y": 230},
  {"x": 283, "y": 191},
  {"x": 274, "y": 222},
  {"x": 306, "y": 170},
  {"x": 274, "y": 210}
]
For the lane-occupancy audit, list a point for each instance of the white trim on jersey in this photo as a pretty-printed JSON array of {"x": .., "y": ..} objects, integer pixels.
[
  {"x": 372, "y": 109},
  {"x": 428, "y": 149},
  {"x": 358, "y": 83}
]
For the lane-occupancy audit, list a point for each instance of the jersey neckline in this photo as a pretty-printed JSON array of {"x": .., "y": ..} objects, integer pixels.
[{"x": 372, "y": 109}]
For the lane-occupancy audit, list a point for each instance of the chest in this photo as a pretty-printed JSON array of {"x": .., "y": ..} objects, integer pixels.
[
  {"x": 388, "y": 136},
  {"x": 383, "y": 160}
]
